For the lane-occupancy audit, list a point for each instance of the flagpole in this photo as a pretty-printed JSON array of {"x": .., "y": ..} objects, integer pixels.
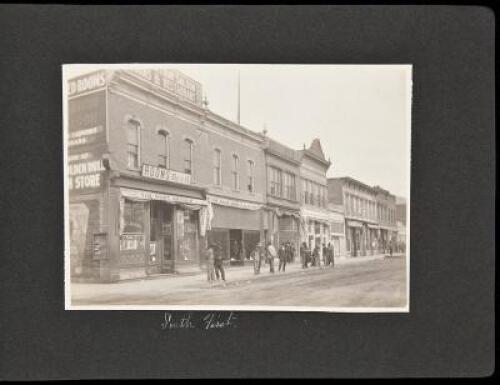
[{"x": 238, "y": 97}]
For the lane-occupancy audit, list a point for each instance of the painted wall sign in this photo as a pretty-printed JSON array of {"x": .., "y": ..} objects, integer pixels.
[
  {"x": 160, "y": 173},
  {"x": 86, "y": 83},
  {"x": 173, "y": 81},
  {"x": 86, "y": 142}
]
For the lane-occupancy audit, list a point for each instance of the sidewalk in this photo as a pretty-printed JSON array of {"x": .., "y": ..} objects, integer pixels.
[{"x": 235, "y": 275}]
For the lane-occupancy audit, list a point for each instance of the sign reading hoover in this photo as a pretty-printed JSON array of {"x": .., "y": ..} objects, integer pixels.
[{"x": 160, "y": 173}]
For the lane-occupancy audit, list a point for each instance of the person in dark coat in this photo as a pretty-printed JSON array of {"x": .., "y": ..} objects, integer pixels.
[
  {"x": 331, "y": 253},
  {"x": 282, "y": 255},
  {"x": 292, "y": 252},
  {"x": 303, "y": 254},
  {"x": 326, "y": 256},
  {"x": 219, "y": 265},
  {"x": 316, "y": 256}
]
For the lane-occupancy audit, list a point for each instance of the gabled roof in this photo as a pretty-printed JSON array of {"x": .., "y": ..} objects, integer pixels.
[
  {"x": 316, "y": 149},
  {"x": 316, "y": 152}
]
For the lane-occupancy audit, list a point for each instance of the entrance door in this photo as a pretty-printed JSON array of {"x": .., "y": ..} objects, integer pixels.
[{"x": 235, "y": 247}]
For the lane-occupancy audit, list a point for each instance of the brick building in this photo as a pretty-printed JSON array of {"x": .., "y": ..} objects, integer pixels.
[
  {"x": 386, "y": 212},
  {"x": 143, "y": 198},
  {"x": 315, "y": 217},
  {"x": 360, "y": 205},
  {"x": 283, "y": 197}
]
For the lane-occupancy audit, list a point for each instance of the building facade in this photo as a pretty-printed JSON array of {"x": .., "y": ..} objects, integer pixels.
[
  {"x": 386, "y": 213},
  {"x": 283, "y": 197},
  {"x": 143, "y": 198},
  {"x": 361, "y": 221},
  {"x": 315, "y": 216},
  {"x": 337, "y": 229}
]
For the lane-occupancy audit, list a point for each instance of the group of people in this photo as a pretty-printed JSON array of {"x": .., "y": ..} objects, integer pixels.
[
  {"x": 313, "y": 258},
  {"x": 268, "y": 254},
  {"x": 285, "y": 254}
]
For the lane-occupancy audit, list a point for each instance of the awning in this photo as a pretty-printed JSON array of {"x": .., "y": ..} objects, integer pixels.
[
  {"x": 281, "y": 212},
  {"x": 140, "y": 195},
  {"x": 239, "y": 204},
  {"x": 373, "y": 226},
  {"x": 354, "y": 224}
]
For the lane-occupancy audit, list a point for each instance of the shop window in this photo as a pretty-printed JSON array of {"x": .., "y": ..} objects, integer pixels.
[
  {"x": 133, "y": 146},
  {"x": 188, "y": 156},
  {"x": 133, "y": 217},
  {"x": 235, "y": 172},
  {"x": 251, "y": 176},
  {"x": 217, "y": 167},
  {"x": 164, "y": 154}
]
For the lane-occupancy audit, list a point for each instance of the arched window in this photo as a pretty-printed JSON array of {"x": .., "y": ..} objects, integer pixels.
[
  {"x": 133, "y": 144},
  {"x": 251, "y": 176},
  {"x": 236, "y": 173},
  {"x": 164, "y": 153},
  {"x": 217, "y": 167},
  {"x": 188, "y": 156}
]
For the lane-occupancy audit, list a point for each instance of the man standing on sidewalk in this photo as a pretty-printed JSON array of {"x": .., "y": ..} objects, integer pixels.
[
  {"x": 219, "y": 265},
  {"x": 271, "y": 251}
]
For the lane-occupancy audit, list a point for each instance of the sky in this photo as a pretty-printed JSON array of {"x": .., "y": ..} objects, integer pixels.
[{"x": 360, "y": 113}]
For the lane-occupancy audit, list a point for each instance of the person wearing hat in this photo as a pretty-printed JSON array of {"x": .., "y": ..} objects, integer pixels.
[{"x": 219, "y": 264}]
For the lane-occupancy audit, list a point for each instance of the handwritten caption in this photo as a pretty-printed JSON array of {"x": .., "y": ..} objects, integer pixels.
[{"x": 207, "y": 321}]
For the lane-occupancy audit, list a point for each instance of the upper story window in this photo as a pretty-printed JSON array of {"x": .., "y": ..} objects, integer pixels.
[
  {"x": 251, "y": 176},
  {"x": 275, "y": 186},
  {"x": 289, "y": 186},
  {"x": 304, "y": 191},
  {"x": 133, "y": 144},
  {"x": 164, "y": 154},
  {"x": 236, "y": 173},
  {"x": 217, "y": 167},
  {"x": 188, "y": 156}
]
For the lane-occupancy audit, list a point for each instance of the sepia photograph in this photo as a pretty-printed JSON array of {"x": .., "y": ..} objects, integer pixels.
[{"x": 237, "y": 187}]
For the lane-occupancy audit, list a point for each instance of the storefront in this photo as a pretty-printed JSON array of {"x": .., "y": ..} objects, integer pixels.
[
  {"x": 337, "y": 234},
  {"x": 315, "y": 229},
  {"x": 159, "y": 233},
  {"x": 355, "y": 234},
  {"x": 236, "y": 226},
  {"x": 285, "y": 228}
]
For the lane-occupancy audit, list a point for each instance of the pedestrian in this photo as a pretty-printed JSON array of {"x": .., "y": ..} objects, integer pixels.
[
  {"x": 257, "y": 258},
  {"x": 288, "y": 252},
  {"x": 271, "y": 254},
  {"x": 292, "y": 252},
  {"x": 316, "y": 256},
  {"x": 210, "y": 264},
  {"x": 326, "y": 257},
  {"x": 219, "y": 265},
  {"x": 390, "y": 248},
  {"x": 331, "y": 253},
  {"x": 282, "y": 254},
  {"x": 302, "y": 252}
]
